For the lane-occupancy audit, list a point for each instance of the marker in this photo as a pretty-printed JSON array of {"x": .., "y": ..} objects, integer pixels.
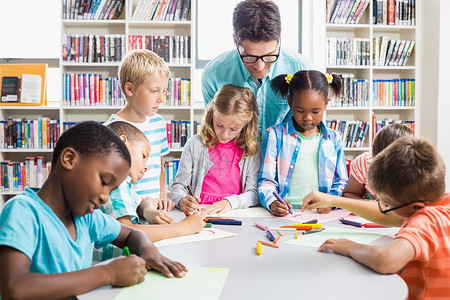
[
  {"x": 210, "y": 219},
  {"x": 314, "y": 226},
  {"x": 298, "y": 227},
  {"x": 270, "y": 235},
  {"x": 225, "y": 222},
  {"x": 258, "y": 248},
  {"x": 351, "y": 223},
  {"x": 187, "y": 214},
  {"x": 127, "y": 251},
  {"x": 313, "y": 230},
  {"x": 276, "y": 240},
  {"x": 373, "y": 225},
  {"x": 207, "y": 225},
  {"x": 296, "y": 235},
  {"x": 368, "y": 196},
  {"x": 269, "y": 244},
  {"x": 282, "y": 201},
  {"x": 191, "y": 192},
  {"x": 284, "y": 229},
  {"x": 280, "y": 233},
  {"x": 261, "y": 226},
  {"x": 313, "y": 221}
]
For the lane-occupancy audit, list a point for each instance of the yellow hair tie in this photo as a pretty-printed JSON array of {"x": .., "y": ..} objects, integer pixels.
[
  {"x": 288, "y": 78},
  {"x": 329, "y": 78}
]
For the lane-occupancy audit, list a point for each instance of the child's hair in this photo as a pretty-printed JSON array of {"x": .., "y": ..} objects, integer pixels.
[
  {"x": 137, "y": 65},
  {"x": 303, "y": 81},
  {"x": 90, "y": 138},
  {"x": 256, "y": 21},
  {"x": 230, "y": 100},
  {"x": 409, "y": 169},
  {"x": 387, "y": 135},
  {"x": 132, "y": 133}
]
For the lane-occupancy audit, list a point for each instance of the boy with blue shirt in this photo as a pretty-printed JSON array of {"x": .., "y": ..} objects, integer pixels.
[
  {"x": 47, "y": 236},
  {"x": 257, "y": 59}
]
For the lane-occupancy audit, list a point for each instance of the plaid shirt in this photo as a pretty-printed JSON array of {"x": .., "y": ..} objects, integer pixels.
[{"x": 281, "y": 145}]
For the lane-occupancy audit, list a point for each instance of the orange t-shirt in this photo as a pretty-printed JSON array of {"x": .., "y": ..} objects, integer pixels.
[{"x": 428, "y": 230}]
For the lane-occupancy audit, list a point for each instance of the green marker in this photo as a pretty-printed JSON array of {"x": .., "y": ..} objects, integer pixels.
[
  {"x": 127, "y": 251},
  {"x": 368, "y": 196},
  {"x": 207, "y": 225}
]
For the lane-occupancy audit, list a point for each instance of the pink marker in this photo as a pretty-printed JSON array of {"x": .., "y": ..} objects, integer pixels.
[{"x": 261, "y": 226}]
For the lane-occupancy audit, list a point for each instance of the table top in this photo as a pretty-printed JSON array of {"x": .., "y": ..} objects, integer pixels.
[{"x": 290, "y": 271}]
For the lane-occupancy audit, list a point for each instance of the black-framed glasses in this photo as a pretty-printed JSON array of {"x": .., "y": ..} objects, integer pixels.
[
  {"x": 251, "y": 59},
  {"x": 386, "y": 210}
]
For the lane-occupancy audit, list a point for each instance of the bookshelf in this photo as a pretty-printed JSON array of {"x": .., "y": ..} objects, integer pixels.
[{"x": 379, "y": 104}]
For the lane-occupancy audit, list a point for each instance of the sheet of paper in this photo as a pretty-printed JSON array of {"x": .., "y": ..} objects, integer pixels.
[
  {"x": 205, "y": 235},
  {"x": 316, "y": 239},
  {"x": 307, "y": 215},
  {"x": 252, "y": 212},
  {"x": 199, "y": 283}
]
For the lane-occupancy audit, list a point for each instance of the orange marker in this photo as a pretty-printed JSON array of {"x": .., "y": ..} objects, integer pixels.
[
  {"x": 269, "y": 244},
  {"x": 296, "y": 235},
  {"x": 258, "y": 248},
  {"x": 298, "y": 227},
  {"x": 280, "y": 233},
  {"x": 276, "y": 240}
]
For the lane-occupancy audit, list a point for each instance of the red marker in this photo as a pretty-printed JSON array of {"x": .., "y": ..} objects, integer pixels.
[{"x": 187, "y": 214}]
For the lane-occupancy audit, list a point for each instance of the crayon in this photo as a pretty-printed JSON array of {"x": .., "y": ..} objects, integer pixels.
[
  {"x": 225, "y": 222},
  {"x": 269, "y": 244},
  {"x": 209, "y": 219},
  {"x": 351, "y": 223},
  {"x": 296, "y": 235},
  {"x": 207, "y": 225},
  {"x": 261, "y": 226},
  {"x": 313, "y": 230},
  {"x": 270, "y": 235},
  {"x": 283, "y": 229},
  {"x": 314, "y": 226},
  {"x": 276, "y": 240},
  {"x": 187, "y": 214},
  {"x": 282, "y": 201},
  {"x": 298, "y": 227},
  {"x": 127, "y": 251},
  {"x": 258, "y": 248},
  {"x": 373, "y": 225},
  {"x": 313, "y": 221},
  {"x": 191, "y": 192},
  {"x": 280, "y": 233}
]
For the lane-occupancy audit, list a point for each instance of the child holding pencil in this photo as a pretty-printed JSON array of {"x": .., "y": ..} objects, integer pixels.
[
  {"x": 302, "y": 155},
  {"x": 126, "y": 206},
  {"x": 221, "y": 163},
  {"x": 47, "y": 235}
]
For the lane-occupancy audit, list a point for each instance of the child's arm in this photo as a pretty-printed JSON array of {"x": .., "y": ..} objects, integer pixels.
[
  {"x": 164, "y": 202},
  {"x": 17, "y": 282},
  {"x": 187, "y": 226},
  {"x": 367, "y": 209},
  {"x": 354, "y": 189},
  {"x": 146, "y": 210},
  {"x": 384, "y": 260}
]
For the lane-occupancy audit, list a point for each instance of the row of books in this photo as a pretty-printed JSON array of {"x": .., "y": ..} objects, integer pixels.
[
  {"x": 15, "y": 176},
  {"x": 178, "y": 92},
  {"x": 348, "y": 51},
  {"x": 171, "y": 168},
  {"x": 391, "y": 52},
  {"x": 345, "y": 11},
  {"x": 355, "y": 92},
  {"x": 162, "y": 10},
  {"x": 394, "y": 92},
  {"x": 92, "y": 9},
  {"x": 394, "y": 12},
  {"x": 16, "y": 133},
  {"x": 84, "y": 89},
  {"x": 178, "y": 132},
  {"x": 172, "y": 49},
  {"x": 353, "y": 133},
  {"x": 378, "y": 124},
  {"x": 90, "y": 48}
]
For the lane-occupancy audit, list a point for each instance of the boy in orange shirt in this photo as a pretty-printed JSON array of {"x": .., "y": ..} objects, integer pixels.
[{"x": 409, "y": 179}]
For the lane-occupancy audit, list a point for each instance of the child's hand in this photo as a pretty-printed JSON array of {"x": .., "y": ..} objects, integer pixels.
[
  {"x": 158, "y": 217},
  {"x": 218, "y": 207},
  {"x": 189, "y": 203},
  {"x": 165, "y": 204},
  {"x": 153, "y": 201},
  {"x": 127, "y": 270},
  {"x": 194, "y": 223},
  {"x": 317, "y": 200},
  {"x": 279, "y": 209},
  {"x": 341, "y": 246},
  {"x": 154, "y": 260}
]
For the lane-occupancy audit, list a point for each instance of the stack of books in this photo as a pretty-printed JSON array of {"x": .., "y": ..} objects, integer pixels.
[{"x": 391, "y": 52}]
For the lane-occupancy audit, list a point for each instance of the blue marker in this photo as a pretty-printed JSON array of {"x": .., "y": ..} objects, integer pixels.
[
  {"x": 270, "y": 235},
  {"x": 351, "y": 223},
  {"x": 225, "y": 222},
  {"x": 282, "y": 201}
]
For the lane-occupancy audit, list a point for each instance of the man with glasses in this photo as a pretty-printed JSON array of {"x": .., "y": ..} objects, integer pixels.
[{"x": 257, "y": 59}]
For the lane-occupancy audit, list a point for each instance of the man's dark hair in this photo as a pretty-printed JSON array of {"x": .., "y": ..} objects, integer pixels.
[
  {"x": 256, "y": 21},
  {"x": 88, "y": 138}
]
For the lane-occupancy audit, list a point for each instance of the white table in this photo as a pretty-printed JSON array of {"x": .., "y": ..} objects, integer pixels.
[{"x": 290, "y": 272}]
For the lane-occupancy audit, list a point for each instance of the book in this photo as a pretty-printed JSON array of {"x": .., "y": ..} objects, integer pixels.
[
  {"x": 185, "y": 10},
  {"x": 31, "y": 88},
  {"x": 10, "y": 89},
  {"x": 383, "y": 50},
  {"x": 178, "y": 10},
  {"x": 408, "y": 53}
]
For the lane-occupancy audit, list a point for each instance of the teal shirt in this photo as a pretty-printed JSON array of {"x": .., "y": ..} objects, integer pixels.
[
  {"x": 30, "y": 226},
  {"x": 228, "y": 68}
]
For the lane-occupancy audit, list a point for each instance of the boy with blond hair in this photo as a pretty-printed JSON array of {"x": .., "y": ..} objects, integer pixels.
[
  {"x": 409, "y": 179},
  {"x": 143, "y": 78}
]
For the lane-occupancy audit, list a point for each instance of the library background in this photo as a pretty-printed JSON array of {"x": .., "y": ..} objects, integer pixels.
[{"x": 393, "y": 68}]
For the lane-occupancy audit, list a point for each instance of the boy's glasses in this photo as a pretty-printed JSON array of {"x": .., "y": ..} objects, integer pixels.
[
  {"x": 251, "y": 59},
  {"x": 385, "y": 210}
]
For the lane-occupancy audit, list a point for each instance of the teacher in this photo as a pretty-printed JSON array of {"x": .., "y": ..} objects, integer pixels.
[{"x": 257, "y": 59}]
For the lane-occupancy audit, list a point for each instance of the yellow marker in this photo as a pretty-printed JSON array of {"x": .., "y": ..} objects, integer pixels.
[
  {"x": 258, "y": 248},
  {"x": 314, "y": 226},
  {"x": 296, "y": 235}
]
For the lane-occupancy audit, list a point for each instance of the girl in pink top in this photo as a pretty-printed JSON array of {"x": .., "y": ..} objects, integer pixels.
[{"x": 222, "y": 163}]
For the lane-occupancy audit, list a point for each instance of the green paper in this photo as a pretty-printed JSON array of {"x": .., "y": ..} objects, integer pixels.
[
  {"x": 317, "y": 239},
  {"x": 199, "y": 283}
]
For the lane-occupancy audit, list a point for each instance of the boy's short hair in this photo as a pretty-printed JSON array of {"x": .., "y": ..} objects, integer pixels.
[
  {"x": 409, "y": 169},
  {"x": 387, "y": 135},
  {"x": 256, "y": 21},
  {"x": 137, "y": 65},
  {"x": 132, "y": 133},
  {"x": 88, "y": 138}
]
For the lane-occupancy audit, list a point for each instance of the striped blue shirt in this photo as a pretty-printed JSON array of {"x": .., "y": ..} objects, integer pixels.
[
  {"x": 154, "y": 128},
  {"x": 228, "y": 68},
  {"x": 281, "y": 145}
]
